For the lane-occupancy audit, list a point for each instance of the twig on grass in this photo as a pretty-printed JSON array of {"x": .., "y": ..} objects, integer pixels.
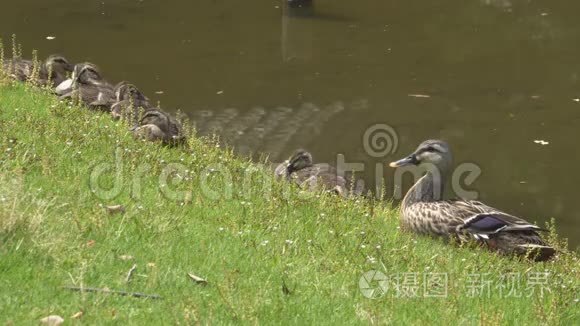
[
  {"x": 130, "y": 273},
  {"x": 123, "y": 293}
]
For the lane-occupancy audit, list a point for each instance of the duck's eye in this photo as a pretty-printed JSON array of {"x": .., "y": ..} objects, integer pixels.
[{"x": 431, "y": 149}]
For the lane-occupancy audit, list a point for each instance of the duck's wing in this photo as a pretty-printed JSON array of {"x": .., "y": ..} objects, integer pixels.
[
  {"x": 101, "y": 98},
  {"x": 156, "y": 117},
  {"x": 483, "y": 220},
  {"x": 20, "y": 69},
  {"x": 174, "y": 126},
  {"x": 281, "y": 170},
  {"x": 320, "y": 175}
]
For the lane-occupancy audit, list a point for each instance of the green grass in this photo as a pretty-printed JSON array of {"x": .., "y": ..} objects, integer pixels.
[{"x": 278, "y": 256}]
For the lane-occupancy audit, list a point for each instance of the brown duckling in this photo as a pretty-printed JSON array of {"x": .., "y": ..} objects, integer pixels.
[
  {"x": 156, "y": 125},
  {"x": 87, "y": 85},
  {"x": 18, "y": 69},
  {"x": 55, "y": 70},
  {"x": 82, "y": 73},
  {"x": 301, "y": 170},
  {"x": 128, "y": 101},
  {"x": 52, "y": 71}
]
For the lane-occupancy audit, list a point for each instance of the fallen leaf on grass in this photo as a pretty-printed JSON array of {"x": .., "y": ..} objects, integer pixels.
[
  {"x": 115, "y": 209},
  {"x": 197, "y": 279},
  {"x": 130, "y": 273},
  {"x": 126, "y": 257},
  {"x": 52, "y": 320},
  {"x": 77, "y": 315}
]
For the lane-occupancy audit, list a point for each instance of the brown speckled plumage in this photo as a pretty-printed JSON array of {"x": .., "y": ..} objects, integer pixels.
[
  {"x": 156, "y": 125},
  {"x": 88, "y": 86},
  {"x": 424, "y": 211},
  {"x": 51, "y": 72},
  {"x": 129, "y": 100},
  {"x": 301, "y": 170}
]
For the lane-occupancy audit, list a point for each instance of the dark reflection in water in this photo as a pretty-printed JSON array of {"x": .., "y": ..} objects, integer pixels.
[{"x": 498, "y": 74}]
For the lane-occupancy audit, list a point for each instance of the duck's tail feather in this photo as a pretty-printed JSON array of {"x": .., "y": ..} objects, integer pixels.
[
  {"x": 538, "y": 252},
  {"x": 521, "y": 243}
]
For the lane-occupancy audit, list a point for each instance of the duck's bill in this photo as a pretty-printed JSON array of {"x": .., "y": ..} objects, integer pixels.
[{"x": 409, "y": 160}]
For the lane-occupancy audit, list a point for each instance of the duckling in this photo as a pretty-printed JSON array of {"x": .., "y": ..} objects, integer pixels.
[
  {"x": 156, "y": 125},
  {"x": 424, "y": 211},
  {"x": 18, "y": 68},
  {"x": 128, "y": 97},
  {"x": 301, "y": 170},
  {"x": 55, "y": 65},
  {"x": 55, "y": 68},
  {"x": 88, "y": 85},
  {"x": 82, "y": 72},
  {"x": 149, "y": 132}
]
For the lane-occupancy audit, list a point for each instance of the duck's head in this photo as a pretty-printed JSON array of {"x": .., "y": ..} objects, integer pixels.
[
  {"x": 86, "y": 73},
  {"x": 300, "y": 159},
  {"x": 149, "y": 132},
  {"x": 125, "y": 91},
  {"x": 435, "y": 152},
  {"x": 58, "y": 64},
  {"x": 121, "y": 90},
  {"x": 155, "y": 117}
]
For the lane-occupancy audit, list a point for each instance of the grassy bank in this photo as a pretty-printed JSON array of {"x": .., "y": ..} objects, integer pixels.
[{"x": 269, "y": 253}]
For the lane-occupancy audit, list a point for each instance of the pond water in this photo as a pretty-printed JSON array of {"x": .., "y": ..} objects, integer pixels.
[{"x": 489, "y": 76}]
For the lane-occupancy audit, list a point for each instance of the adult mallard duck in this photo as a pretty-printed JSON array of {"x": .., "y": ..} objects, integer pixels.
[
  {"x": 424, "y": 211},
  {"x": 52, "y": 71},
  {"x": 300, "y": 169},
  {"x": 87, "y": 85},
  {"x": 156, "y": 125},
  {"x": 128, "y": 101}
]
